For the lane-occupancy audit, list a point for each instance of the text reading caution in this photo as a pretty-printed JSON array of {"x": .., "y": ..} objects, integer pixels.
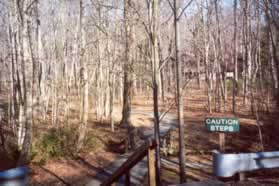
[{"x": 222, "y": 124}]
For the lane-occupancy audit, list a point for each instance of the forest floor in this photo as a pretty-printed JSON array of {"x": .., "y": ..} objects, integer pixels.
[{"x": 199, "y": 144}]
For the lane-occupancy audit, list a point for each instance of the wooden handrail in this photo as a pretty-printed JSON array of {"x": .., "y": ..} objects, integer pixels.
[{"x": 146, "y": 149}]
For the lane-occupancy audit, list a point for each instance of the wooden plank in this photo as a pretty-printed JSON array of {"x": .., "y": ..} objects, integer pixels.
[
  {"x": 137, "y": 156},
  {"x": 203, "y": 183},
  {"x": 126, "y": 145},
  {"x": 151, "y": 167},
  {"x": 174, "y": 165}
]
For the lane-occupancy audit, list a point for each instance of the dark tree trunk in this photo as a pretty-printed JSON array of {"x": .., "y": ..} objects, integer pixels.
[{"x": 127, "y": 92}]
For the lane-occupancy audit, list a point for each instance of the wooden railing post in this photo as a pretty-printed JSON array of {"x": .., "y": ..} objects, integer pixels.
[
  {"x": 127, "y": 179},
  {"x": 241, "y": 176},
  {"x": 151, "y": 167},
  {"x": 164, "y": 146},
  {"x": 126, "y": 145}
]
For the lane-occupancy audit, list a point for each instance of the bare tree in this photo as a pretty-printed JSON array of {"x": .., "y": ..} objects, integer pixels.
[
  {"x": 127, "y": 67},
  {"x": 155, "y": 84},
  {"x": 235, "y": 55},
  {"x": 84, "y": 106}
]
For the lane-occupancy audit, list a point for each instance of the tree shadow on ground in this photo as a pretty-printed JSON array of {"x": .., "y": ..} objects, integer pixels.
[
  {"x": 6, "y": 162},
  {"x": 116, "y": 146},
  {"x": 56, "y": 176},
  {"x": 86, "y": 172}
]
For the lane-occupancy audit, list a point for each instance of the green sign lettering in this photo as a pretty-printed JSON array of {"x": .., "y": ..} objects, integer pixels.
[{"x": 222, "y": 124}]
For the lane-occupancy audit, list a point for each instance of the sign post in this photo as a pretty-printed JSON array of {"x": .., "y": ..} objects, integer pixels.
[
  {"x": 222, "y": 126},
  {"x": 222, "y": 141}
]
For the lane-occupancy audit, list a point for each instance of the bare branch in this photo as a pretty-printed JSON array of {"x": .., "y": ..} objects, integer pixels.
[
  {"x": 181, "y": 13},
  {"x": 170, "y": 5}
]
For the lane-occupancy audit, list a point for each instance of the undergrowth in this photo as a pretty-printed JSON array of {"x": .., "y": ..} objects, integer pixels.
[{"x": 60, "y": 143}]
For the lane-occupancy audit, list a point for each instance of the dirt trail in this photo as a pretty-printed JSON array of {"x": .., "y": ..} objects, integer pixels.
[{"x": 139, "y": 171}]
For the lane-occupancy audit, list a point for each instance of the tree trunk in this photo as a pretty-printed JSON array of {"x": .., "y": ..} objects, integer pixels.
[
  {"x": 27, "y": 89},
  {"x": 127, "y": 89},
  {"x": 208, "y": 66},
  {"x": 235, "y": 56},
  {"x": 12, "y": 98},
  {"x": 84, "y": 81},
  {"x": 179, "y": 95},
  {"x": 155, "y": 77}
]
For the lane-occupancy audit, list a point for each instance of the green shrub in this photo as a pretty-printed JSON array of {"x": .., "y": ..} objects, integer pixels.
[
  {"x": 56, "y": 143},
  {"x": 265, "y": 82},
  {"x": 91, "y": 141},
  {"x": 51, "y": 145},
  {"x": 229, "y": 84},
  {"x": 61, "y": 143},
  {"x": 239, "y": 85}
]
